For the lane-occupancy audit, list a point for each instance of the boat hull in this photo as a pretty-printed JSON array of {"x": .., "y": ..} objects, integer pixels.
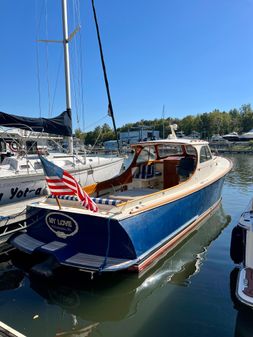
[
  {"x": 22, "y": 187},
  {"x": 19, "y": 188},
  {"x": 244, "y": 290},
  {"x": 93, "y": 242},
  {"x": 241, "y": 249}
]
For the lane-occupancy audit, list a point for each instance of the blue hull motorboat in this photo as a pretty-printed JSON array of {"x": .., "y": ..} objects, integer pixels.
[{"x": 170, "y": 186}]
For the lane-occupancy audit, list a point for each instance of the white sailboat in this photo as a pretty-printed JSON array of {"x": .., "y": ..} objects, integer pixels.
[{"x": 22, "y": 177}]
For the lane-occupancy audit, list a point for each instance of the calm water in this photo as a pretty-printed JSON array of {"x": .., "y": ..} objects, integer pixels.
[{"x": 188, "y": 293}]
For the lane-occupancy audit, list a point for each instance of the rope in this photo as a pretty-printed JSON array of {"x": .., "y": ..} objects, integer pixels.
[
  {"x": 47, "y": 62},
  {"x": 75, "y": 78},
  {"x": 7, "y": 218},
  {"x": 81, "y": 60},
  {"x": 37, "y": 61},
  {"x": 77, "y": 66},
  {"x": 100, "y": 132},
  {"x": 108, "y": 244},
  {"x": 97, "y": 122},
  {"x": 57, "y": 79}
]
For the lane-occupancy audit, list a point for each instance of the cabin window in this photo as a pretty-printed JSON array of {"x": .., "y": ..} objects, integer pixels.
[
  {"x": 205, "y": 154},
  {"x": 62, "y": 163},
  {"x": 147, "y": 154},
  {"x": 190, "y": 150},
  {"x": 37, "y": 165},
  {"x": 24, "y": 167},
  {"x": 165, "y": 150},
  {"x": 2, "y": 147},
  {"x": 12, "y": 162},
  {"x": 31, "y": 147}
]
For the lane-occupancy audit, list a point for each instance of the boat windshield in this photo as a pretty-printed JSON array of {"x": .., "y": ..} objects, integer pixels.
[
  {"x": 165, "y": 150},
  {"x": 147, "y": 153}
]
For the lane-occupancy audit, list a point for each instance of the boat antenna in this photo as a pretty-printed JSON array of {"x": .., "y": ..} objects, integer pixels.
[
  {"x": 110, "y": 108},
  {"x": 173, "y": 135},
  {"x": 163, "y": 113}
]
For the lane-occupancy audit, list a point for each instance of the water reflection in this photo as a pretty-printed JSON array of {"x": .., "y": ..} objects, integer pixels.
[
  {"x": 119, "y": 298},
  {"x": 241, "y": 174},
  {"x": 10, "y": 276},
  {"x": 185, "y": 294}
]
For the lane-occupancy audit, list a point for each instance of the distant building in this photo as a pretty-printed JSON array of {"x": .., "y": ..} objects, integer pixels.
[
  {"x": 135, "y": 136},
  {"x": 111, "y": 145}
]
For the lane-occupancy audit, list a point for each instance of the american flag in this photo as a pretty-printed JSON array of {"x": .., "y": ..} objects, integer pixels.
[{"x": 60, "y": 182}]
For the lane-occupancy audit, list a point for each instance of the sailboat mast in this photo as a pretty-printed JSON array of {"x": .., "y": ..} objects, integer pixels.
[
  {"x": 66, "y": 65},
  {"x": 110, "y": 109}
]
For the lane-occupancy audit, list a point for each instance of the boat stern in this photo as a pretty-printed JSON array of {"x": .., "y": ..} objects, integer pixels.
[{"x": 80, "y": 240}]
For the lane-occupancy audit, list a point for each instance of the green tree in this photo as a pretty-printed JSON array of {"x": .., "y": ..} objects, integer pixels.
[
  {"x": 187, "y": 124},
  {"x": 79, "y": 134},
  {"x": 247, "y": 117}
]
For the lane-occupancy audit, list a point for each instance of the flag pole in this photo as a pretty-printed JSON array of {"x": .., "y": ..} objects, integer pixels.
[{"x": 58, "y": 201}]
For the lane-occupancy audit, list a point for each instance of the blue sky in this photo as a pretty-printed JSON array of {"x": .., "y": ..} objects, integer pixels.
[{"x": 192, "y": 56}]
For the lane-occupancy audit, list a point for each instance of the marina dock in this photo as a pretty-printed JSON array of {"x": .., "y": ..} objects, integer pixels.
[{"x": 13, "y": 217}]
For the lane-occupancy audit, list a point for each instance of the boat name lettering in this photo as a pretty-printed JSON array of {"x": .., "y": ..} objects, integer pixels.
[
  {"x": 16, "y": 192},
  {"x": 20, "y": 193},
  {"x": 66, "y": 223},
  {"x": 61, "y": 224}
]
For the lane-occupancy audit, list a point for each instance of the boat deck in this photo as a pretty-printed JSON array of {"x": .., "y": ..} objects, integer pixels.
[{"x": 132, "y": 194}]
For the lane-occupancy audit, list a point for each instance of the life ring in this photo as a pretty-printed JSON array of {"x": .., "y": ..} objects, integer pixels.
[{"x": 14, "y": 146}]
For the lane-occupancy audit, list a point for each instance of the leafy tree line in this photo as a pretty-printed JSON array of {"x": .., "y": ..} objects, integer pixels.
[{"x": 207, "y": 124}]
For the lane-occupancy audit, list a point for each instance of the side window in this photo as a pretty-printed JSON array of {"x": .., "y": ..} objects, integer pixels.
[
  {"x": 147, "y": 153},
  {"x": 205, "y": 154},
  {"x": 190, "y": 150}
]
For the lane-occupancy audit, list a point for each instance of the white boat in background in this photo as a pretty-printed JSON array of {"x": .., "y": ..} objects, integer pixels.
[
  {"x": 233, "y": 136},
  {"x": 217, "y": 138},
  {"x": 241, "y": 252},
  {"x": 247, "y": 136},
  {"x": 23, "y": 178},
  {"x": 21, "y": 175}
]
